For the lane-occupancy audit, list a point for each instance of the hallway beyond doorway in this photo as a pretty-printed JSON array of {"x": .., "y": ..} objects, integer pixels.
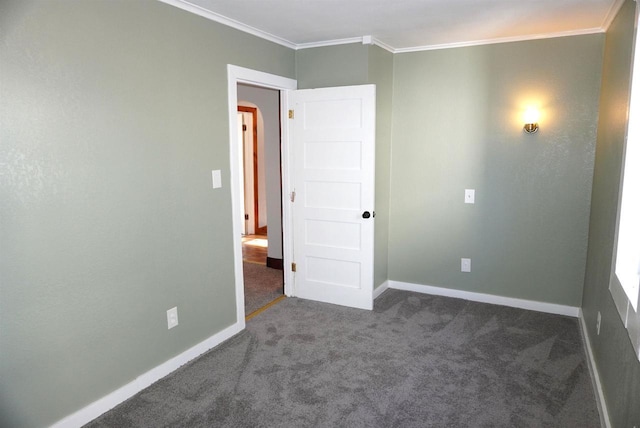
[{"x": 262, "y": 284}]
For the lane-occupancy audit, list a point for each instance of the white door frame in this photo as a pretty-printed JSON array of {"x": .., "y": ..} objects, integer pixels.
[
  {"x": 237, "y": 75},
  {"x": 247, "y": 178}
]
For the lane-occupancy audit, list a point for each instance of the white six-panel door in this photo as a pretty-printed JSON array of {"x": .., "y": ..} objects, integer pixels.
[{"x": 333, "y": 149}]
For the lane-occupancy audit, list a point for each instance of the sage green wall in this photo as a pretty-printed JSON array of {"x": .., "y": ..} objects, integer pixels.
[
  {"x": 457, "y": 124},
  {"x": 617, "y": 364},
  {"x": 326, "y": 66},
  {"x": 381, "y": 74},
  {"x": 113, "y": 115},
  {"x": 358, "y": 64}
]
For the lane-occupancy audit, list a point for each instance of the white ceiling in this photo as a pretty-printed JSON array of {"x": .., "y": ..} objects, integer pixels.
[{"x": 405, "y": 25}]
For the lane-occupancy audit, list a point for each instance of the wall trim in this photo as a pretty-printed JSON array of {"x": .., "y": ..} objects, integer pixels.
[
  {"x": 237, "y": 75},
  {"x": 383, "y": 45},
  {"x": 500, "y": 40},
  {"x": 532, "y": 305},
  {"x": 109, "y": 401},
  {"x": 611, "y": 14},
  {"x": 200, "y": 11},
  {"x": 365, "y": 40},
  {"x": 335, "y": 42},
  {"x": 595, "y": 376},
  {"x": 275, "y": 263},
  {"x": 212, "y": 16},
  {"x": 381, "y": 289}
]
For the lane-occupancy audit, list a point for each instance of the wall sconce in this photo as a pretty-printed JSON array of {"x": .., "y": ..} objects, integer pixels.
[{"x": 531, "y": 117}]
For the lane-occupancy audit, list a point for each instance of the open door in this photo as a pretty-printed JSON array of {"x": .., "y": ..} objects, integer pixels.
[
  {"x": 328, "y": 151},
  {"x": 333, "y": 153}
]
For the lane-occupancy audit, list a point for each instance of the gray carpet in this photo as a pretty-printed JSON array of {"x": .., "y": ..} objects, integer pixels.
[
  {"x": 262, "y": 285},
  {"x": 415, "y": 361}
]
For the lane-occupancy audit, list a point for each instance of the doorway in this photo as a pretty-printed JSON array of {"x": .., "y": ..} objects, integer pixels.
[
  {"x": 239, "y": 75},
  {"x": 335, "y": 109},
  {"x": 253, "y": 164},
  {"x": 259, "y": 138}
]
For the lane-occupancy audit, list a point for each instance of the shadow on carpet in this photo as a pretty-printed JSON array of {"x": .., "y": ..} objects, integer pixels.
[{"x": 414, "y": 361}]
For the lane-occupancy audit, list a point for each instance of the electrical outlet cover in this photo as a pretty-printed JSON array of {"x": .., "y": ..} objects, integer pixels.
[{"x": 469, "y": 196}]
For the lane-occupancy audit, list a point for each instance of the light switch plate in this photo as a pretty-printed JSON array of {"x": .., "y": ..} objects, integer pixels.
[
  {"x": 216, "y": 177},
  {"x": 465, "y": 265},
  {"x": 172, "y": 317},
  {"x": 469, "y": 196}
]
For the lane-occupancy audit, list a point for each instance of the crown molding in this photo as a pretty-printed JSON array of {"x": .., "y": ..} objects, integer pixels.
[
  {"x": 195, "y": 9},
  {"x": 611, "y": 15},
  {"x": 383, "y": 45},
  {"x": 501, "y": 40},
  {"x": 365, "y": 40},
  {"x": 329, "y": 43},
  {"x": 371, "y": 40}
]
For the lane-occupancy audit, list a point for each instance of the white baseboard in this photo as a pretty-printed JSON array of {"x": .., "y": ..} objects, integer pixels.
[
  {"x": 595, "y": 376},
  {"x": 108, "y": 402},
  {"x": 532, "y": 305},
  {"x": 381, "y": 289}
]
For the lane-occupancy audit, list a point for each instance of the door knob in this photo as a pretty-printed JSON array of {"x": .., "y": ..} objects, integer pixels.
[{"x": 366, "y": 214}]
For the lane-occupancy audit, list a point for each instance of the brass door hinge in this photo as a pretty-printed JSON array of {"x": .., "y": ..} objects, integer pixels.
[
  {"x": 293, "y": 267},
  {"x": 290, "y": 114}
]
